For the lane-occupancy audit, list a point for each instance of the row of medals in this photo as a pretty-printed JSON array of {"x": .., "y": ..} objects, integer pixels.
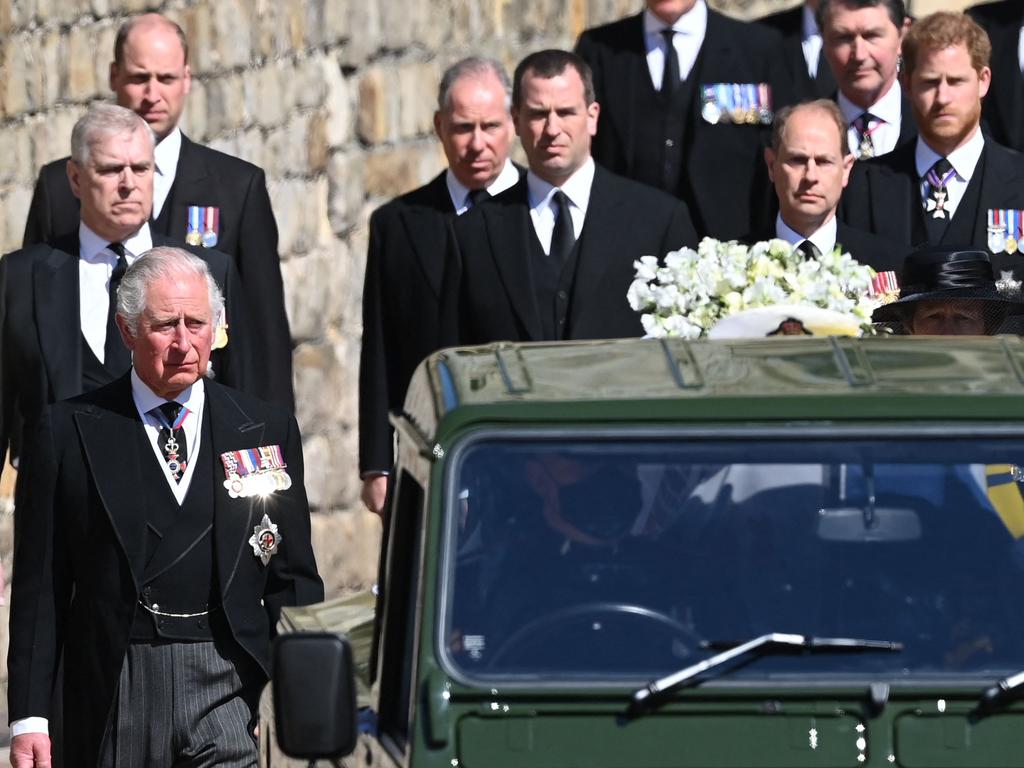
[
  {"x": 995, "y": 237},
  {"x": 714, "y": 114},
  {"x": 207, "y": 238}
]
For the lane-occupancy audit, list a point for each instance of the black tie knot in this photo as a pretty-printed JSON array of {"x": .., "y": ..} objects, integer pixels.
[
  {"x": 809, "y": 250},
  {"x": 942, "y": 167},
  {"x": 477, "y": 196},
  {"x": 170, "y": 411}
]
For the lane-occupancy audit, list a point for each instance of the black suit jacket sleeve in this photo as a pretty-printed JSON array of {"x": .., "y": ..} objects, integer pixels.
[{"x": 375, "y": 437}]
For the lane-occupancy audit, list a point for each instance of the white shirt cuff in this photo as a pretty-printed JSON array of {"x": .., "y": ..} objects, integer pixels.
[{"x": 30, "y": 725}]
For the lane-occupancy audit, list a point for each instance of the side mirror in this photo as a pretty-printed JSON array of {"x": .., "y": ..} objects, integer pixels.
[{"x": 314, "y": 689}]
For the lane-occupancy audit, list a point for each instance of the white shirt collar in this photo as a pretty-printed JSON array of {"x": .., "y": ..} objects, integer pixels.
[
  {"x": 577, "y": 187},
  {"x": 889, "y": 108},
  {"x": 810, "y": 24},
  {"x": 459, "y": 192},
  {"x": 146, "y": 400},
  {"x": 964, "y": 159},
  {"x": 692, "y": 23},
  {"x": 824, "y": 238},
  {"x": 166, "y": 153},
  {"x": 92, "y": 247}
]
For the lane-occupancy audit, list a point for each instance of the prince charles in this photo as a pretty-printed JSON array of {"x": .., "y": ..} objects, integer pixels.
[{"x": 161, "y": 524}]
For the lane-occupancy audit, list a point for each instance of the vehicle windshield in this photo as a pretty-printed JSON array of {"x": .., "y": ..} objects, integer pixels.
[{"x": 587, "y": 559}]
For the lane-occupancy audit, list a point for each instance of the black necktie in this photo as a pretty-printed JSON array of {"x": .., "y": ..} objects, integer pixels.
[
  {"x": 937, "y": 211},
  {"x": 477, "y": 196},
  {"x": 809, "y": 250},
  {"x": 865, "y": 144},
  {"x": 116, "y": 357},
  {"x": 670, "y": 75},
  {"x": 171, "y": 438},
  {"x": 563, "y": 238}
]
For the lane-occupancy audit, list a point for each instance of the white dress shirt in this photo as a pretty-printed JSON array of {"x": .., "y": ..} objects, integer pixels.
[
  {"x": 1020, "y": 49},
  {"x": 165, "y": 157},
  {"x": 690, "y": 29},
  {"x": 193, "y": 399},
  {"x": 888, "y": 109},
  {"x": 811, "y": 42},
  {"x": 824, "y": 239},
  {"x": 544, "y": 210},
  {"x": 95, "y": 264},
  {"x": 964, "y": 160},
  {"x": 459, "y": 192}
]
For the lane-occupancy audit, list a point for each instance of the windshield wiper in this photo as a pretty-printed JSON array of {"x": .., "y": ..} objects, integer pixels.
[
  {"x": 643, "y": 699},
  {"x": 994, "y": 697}
]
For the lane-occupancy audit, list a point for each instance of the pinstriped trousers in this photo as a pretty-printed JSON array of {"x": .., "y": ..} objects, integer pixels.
[{"x": 180, "y": 705}]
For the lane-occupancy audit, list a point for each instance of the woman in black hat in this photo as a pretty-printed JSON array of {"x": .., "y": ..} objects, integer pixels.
[{"x": 949, "y": 292}]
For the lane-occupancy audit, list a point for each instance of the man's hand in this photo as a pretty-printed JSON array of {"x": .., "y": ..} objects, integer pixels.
[
  {"x": 30, "y": 750},
  {"x": 375, "y": 491}
]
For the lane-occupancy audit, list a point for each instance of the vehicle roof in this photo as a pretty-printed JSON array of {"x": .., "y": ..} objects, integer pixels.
[{"x": 671, "y": 379}]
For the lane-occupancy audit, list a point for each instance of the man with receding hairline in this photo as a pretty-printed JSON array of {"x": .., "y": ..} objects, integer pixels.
[
  {"x": 405, "y": 260},
  {"x": 809, "y": 163},
  {"x": 200, "y": 196}
]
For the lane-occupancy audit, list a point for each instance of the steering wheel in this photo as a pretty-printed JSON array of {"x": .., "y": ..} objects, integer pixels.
[{"x": 596, "y": 611}]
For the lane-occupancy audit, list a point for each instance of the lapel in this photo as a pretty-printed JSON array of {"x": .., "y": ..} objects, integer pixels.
[
  {"x": 191, "y": 185},
  {"x": 231, "y": 429},
  {"x": 600, "y": 242},
  {"x": 115, "y": 422},
  {"x": 55, "y": 299},
  {"x": 1000, "y": 188},
  {"x": 895, "y": 200},
  {"x": 908, "y": 128},
  {"x": 627, "y": 76},
  {"x": 509, "y": 230},
  {"x": 427, "y": 230}
]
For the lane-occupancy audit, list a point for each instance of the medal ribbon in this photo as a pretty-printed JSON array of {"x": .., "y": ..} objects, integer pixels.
[
  {"x": 177, "y": 422},
  {"x": 936, "y": 182},
  {"x": 194, "y": 222},
  {"x": 764, "y": 93},
  {"x": 250, "y": 461},
  {"x": 211, "y": 216}
]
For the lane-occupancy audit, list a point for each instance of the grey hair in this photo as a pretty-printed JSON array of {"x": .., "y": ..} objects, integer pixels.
[
  {"x": 472, "y": 66},
  {"x": 156, "y": 264},
  {"x": 102, "y": 121}
]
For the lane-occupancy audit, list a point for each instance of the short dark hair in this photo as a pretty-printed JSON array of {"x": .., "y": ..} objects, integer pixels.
[
  {"x": 551, "y": 63},
  {"x": 126, "y": 29},
  {"x": 826, "y": 106},
  {"x": 472, "y": 66},
  {"x": 897, "y": 9}
]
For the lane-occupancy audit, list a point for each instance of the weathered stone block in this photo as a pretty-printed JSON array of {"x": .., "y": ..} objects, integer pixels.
[
  {"x": 225, "y": 104},
  {"x": 337, "y": 15},
  {"x": 308, "y": 89},
  {"x": 316, "y": 143},
  {"x": 317, "y": 372},
  {"x": 345, "y": 178},
  {"x": 375, "y": 91},
  {"x": 103, "y": 54},
  {"x": 194, "y": 119},
  {"x": 307, "y": 281},
  {"x": 51, "y": 54},
  {"x": 264, "y": 95},
  {"x": 294, "y": 23},
  {"x": 16, "y": 158},
  {"x": 15, "y": 210},
  {"x": 339, "y": 101},
  {"x": 394, "y": 171},
  {"x": 232, "y": 33},
  {"x": 417, "y": 100},
  {"x": 346, "y": 544},
  {"x": 81, "y": 69},
  {"x": 197, "y": 22}
]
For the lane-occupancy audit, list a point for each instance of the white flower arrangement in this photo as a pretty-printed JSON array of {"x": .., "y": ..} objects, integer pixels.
[{"x": 690, "y": 291}]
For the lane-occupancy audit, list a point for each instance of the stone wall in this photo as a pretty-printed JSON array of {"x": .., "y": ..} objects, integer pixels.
[{"x": 334, "y": 98}]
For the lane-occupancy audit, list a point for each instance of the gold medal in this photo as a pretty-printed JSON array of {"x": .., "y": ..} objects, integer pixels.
[
  {"x": 194, "y": 238},
  {"x": 1011, "y": 244}
]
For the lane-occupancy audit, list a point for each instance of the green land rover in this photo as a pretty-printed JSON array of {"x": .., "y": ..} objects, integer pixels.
[{"x": 774, "y": 553}]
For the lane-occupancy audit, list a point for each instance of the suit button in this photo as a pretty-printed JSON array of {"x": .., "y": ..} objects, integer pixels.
[
  {"x": 201, "y": 624},
  {"x": 669, "y": 143},
  {"x": 562, "y": 295},
  {"x": 160, "y": 623},
  {"x": 146, "y": 592},
  {"x": 156, "y": 606}
]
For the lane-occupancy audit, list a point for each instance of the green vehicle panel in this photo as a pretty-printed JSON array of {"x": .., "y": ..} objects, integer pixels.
[{"x": 572, "y": 522}]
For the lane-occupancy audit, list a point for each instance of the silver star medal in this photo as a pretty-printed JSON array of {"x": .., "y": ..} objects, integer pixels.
[
  {"x": 1007, "y": 285},
  {"x": 265, "y": 539},
  {"x": 937, "y": 204}
]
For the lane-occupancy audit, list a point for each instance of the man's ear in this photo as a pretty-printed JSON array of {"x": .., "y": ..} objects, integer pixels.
[
  {"x": 769, "y": 160},
  {"x": 126, "y": 335},
  {"x": 74, "y": 172}
]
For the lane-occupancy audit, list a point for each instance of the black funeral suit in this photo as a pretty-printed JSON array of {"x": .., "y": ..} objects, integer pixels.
[
  {"x": 501, "y": 286},
  {"x": 43, "y": 353},
  {"x": 669, "y": 141},
  {"x": 790, "y": 25},
  {"x": 104, "y": 543},
  {"x": 878, "y": 253},
  {"x": 401, "y": 300},
  {"x": 885, "y": 197},
  {"x": 245, "y": 230},
  {"x": 1003, "y": 107}
]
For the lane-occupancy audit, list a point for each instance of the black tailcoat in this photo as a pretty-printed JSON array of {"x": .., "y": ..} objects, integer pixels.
[
  {"x": 1003, "y": 108},
  {"x": 724, "y": 182},
  {"x": 401, "y": 308},
  {"x": 790, "y": 25},
  {"x": 878, "y": 253},
  {"x": 247, "y": 233},
  {"x": 81, "y": 550},
  {"x": 490, "y": 294},
  {"x": 41, "y": 336}
]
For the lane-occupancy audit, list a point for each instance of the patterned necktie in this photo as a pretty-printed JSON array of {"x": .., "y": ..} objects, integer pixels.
[
  {"x": 670, "y": 75},
  {"x": 938, "y": 177},
  {"x": 809, "y": 250},
  {"x": 171, "y": 438},
  {"x": 864, "y": 128},
  {"x": 563, "y": 238},
  {"x": 116, "y": 357}
]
